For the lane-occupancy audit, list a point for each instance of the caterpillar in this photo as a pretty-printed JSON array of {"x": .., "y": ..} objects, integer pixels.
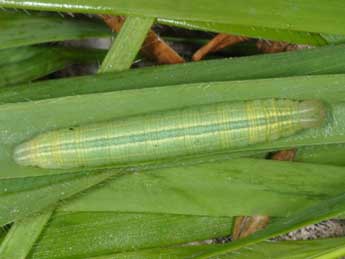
[{"x": 167, "y": 134}]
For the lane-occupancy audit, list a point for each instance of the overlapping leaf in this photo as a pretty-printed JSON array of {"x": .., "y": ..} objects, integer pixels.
[
  {"x": 19, "y": 28},
  {"x": 309, "y": 16},
  {"x": 24, "y": 64}
]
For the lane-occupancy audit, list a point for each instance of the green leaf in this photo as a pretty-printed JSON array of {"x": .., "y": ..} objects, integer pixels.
[
  {"x": 21, "y": 121},
  {"x": 18, "y": 65},
  {"x": 18, "y": 205},
  {"x": 333, "y": 39},
  {"x": 127, "y": 44},
  {"x": 254, "y": 32},
  {"x": 310, "y": 16},
  {"x": 2, "y": 234},
  {"x": 311, "y": 249},
  {"x": 316, "y": 39},
  {"x": 19, "y": 29},
  {"x": 230, "y": 188},
  {"x": 80, "y": 235},
  {"x": 325, "y": 60},
  {"x": 329, "y": 208},
  {"x": 25, "y": 233},
  {"x": 324, "y": 154}
]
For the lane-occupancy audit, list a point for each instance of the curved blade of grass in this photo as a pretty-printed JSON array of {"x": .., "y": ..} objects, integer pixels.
[
  {"x": 22, "y": 236},
  {"x": 313, "y": 16},
  {"x": 127, "y": 44},
  {"x": 26, "y": 183},
  {"x": 19, "y": 28},
  {"x": 324, "y": 154},
  {"x": 80, "y": 235},
  {"x": 323, "y": 210},
  {"x": 299, "y": 37},
  {"x": 20, "y": 121},
  {"x": 333, "y": 39},
  {"x": 325, "y": 60},
  {"x": 30, "y": 63},
  {"x": 311, "y": 249},
  {"x": 234, "y": 187},
  {"x": 17, "y": 205}
]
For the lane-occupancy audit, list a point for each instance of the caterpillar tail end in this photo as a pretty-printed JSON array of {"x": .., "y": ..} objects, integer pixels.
[
  {"x": 22, "y": 155},
  {"x": 313, "y": 113}
]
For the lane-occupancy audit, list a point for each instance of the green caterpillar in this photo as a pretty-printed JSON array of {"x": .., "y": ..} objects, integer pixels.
[{"x": 168, "y": 134}]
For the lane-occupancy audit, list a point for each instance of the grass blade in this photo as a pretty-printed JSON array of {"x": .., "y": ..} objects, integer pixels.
[
  {"x": 311, "y": 249},
  {"x": 80, "y": 235},
  {"x": 318, "y": 16},
  {"x": 25, "y": 64},
  {"x": 326, "y": 60},
  {"x": 324, "y": 154},
  {"x": 127, "y": 44},
  {"x": 323, "y": 210},
  {"x": 18, "y": 234},
  {"x": 20, "y": 29},
  {"x": 230, "y": 188},
  {"x": 299, "y": 37},
  {"x": 18, "y": 205}
]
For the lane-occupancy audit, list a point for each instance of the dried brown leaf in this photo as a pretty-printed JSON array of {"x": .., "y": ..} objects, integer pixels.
[{"x": 217, "y": 43}]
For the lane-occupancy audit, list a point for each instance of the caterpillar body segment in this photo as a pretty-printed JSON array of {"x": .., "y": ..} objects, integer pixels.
[{"x": 168, "y": 134}]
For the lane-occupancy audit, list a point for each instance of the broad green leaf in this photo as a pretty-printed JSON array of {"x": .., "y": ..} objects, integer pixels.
[
  {"x": 21, "y": 121},
  {"x": 309, "y": 16},
  {"x": 325, "y": 60},
  {"x": 19, "y": 28},
  {"x": 22, "y": 236},
  {"x": 311, "y": 249},
  {"x": 323, "y": 210},
  {"x": 324, "y": 154},
  {"x": 127, "y": 44},
  {"x": 18, "y": 65},
  {"x": 80, "y": 235},
  {"x": 18, "y": 205},
  {"x": 230, "y": 188}
]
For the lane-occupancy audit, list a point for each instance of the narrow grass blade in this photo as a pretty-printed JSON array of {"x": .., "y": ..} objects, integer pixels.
[
  {"x": 310, "y": 16},
  {"x": 230, "y": 188},
  {"x": 127, "y": 44},
  {"x": 311, "y": 249},
  {"x": 18, "y": 205},
  {"x": 19, "y": 28},
  {"x": 331, "y": 207},
  {"x": 80, "y": 235},
  {"x": 22, "y": 236},
  {"x": 25, "y": 64},
  {"x": 325, "y": 60},
  {"x": 299, "y": 37},
  {"x": 324, "y": 154}
]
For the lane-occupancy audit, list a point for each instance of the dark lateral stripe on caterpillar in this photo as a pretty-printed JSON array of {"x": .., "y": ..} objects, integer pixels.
[{"x": 172, "y": 133}]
